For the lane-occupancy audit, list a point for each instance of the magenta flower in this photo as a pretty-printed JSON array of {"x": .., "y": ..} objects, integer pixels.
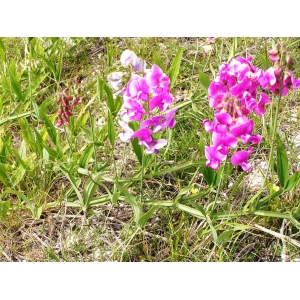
[
  {"x": 135, "y": 111},
  {"x": 224, "y": 139},
  {"x": 244, "y": 131},
  {"x": 159, "y": 123},
  {"x": 138, "y": 89},
  {"x": 214, "y": 155},
  {"x": 240, "y": 157},
  {"x": 163, "y": 101},
  {"x": 157, "y": 79},
  {"x": 214, "y": 126},
  {"x": 268, "y": 79},
  {"x": 263, "y": 100},
  {"x": 144, "y": 134}
]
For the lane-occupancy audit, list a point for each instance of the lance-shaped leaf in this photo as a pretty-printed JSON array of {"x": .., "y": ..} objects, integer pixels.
[{"x": 282, "y": 163}]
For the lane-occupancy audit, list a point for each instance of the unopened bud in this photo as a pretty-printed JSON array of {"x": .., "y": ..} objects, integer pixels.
[
  {"x": 59, "y": 122},
  {"x": 288, "y": 58},
  {"x": 68, "y": 114},
  {"x": 273, "y": 52}
]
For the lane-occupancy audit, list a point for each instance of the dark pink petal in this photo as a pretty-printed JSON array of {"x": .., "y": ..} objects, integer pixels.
[
  {"x": 144, "y": 134},
  {"x": 224, "y": 139},
  {"x": 242, "y": 129},
  {"x": 223, "y": 118},
  {"x": 263, "y": 100},
  {"x": 240, "y": 157},
  {"x": 154, "y": 146}
]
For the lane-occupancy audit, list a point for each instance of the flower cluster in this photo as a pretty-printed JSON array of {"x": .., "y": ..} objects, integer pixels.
[
  {"x": 144, "y": 95},
  {"x": 279, "y": 73},
  {"x": 66, "y": 104},
  {"x": 233, "y": 95}
]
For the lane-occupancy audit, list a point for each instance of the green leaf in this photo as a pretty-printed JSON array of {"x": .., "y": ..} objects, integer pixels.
[
  {"x": 90, "y": 188},
  {"x": 209, "y": 222},
  {"x": 86, "y": 156},
  {"x": 146, "y": 216},
  {"x": 50, "y": 129},
  {"x": 73, "y": 182},
  {"x": 159, "y": 62},
  {"x": 218, "y": 176},
  {"x": 50, "y": 65},
  {"x": 15, "y": 84},
  {"x": 129, "y": 198},
  {"x": 224, "y": 237},
  {"x": 21, "y": 196},
  {"x": 35, "y": 83},
  {"x": 282, "y": 164},
  {"x": 115, "y": 197},
  {"x": 191, "y": 211},
  {"x": 4, "y": 208},
  {"x": 204, "y": 80},
  {"x": 3, "y": 175},
  {"x": 110, "y": 98},
  {"x": 293, "y": 181},
  {"x": 111, "y": 130},
  {"x": 265, "y": 61},
  {"x": 174, "y": 70},
  {"x": 100, "y": 86},
  {"x": 11, "y": 118},
  {"x": 118, "y": 104},
  {"x": 209, "y": 174},
  {"x": 2, "y": 51},
  {"x": 59, "y": 65}
]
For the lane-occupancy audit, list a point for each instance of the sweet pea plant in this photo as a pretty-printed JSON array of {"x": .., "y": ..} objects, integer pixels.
[{"x": 146, "y": 100}]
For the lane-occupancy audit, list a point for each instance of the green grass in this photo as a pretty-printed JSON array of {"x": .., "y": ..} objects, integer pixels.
[{"x": 60, "y": 200}]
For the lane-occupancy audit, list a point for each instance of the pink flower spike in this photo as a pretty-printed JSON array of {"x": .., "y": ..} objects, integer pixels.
[{"x": 240, "y": 157}]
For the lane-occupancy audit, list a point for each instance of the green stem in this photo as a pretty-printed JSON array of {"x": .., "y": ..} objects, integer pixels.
[{"x": 274, "y": 131}]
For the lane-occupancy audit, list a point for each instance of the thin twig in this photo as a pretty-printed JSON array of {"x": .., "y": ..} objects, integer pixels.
[{"x": 278, "y": 235}]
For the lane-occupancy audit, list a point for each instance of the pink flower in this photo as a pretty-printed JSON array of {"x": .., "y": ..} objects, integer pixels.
[
  {"x": 127, "y": 135},
  {"x": 263, "y": 100},
  {"x": 135, "y": 111},
  {"x": 240, "y": 157},
  {"x": 163, "y": 101},
  {"x": 214, "y": 155},
  {"x": 224, "y": 139},
  {"x": 128, "y": 57},
  {"x": 244, "y": 131},
  {"x": 157, "y": 79},
  {"x": 154, "y": 146},
  {"x": 115, "y": 80},
  {"x": 159, "y": 123}
]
